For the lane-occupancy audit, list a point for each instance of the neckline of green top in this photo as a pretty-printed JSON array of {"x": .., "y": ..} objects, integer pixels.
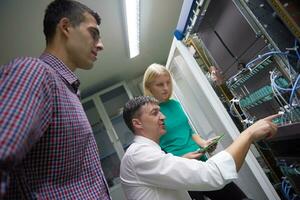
[{"x": 165, "y": 102}]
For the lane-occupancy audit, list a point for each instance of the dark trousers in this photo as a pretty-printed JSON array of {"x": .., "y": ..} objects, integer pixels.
[{"x": 230, "y": 191}]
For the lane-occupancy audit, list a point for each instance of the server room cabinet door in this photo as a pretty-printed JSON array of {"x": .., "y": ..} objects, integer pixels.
[
  {"x": 113, "y": 102},
  {"x": 209, "y": 116},
  {"x": 104, "y": 111},
  {"x": 109, "y": 159}
]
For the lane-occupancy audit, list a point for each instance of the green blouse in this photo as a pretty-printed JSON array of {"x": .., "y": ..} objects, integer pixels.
[{"x": 178, "y": 137}]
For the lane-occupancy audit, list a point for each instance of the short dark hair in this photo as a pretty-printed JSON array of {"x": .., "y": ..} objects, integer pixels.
[
  {"x": 132, "y": 107},
  {"x": 70, "y": 9}
]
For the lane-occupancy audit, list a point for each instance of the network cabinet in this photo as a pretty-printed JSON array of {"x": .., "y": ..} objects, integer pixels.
[{"x": 254, "y": 45}]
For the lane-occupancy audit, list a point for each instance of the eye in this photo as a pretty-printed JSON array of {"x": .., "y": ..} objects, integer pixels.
[
  {"x": 155, "y": 112},
  {"x": 95, "y": 34}
]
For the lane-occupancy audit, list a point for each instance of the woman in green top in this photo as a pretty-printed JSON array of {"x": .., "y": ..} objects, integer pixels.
[{"x": 180, "y": 139}]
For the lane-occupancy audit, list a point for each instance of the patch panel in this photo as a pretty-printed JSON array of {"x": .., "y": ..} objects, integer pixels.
[{"x": 246, "y": 74}]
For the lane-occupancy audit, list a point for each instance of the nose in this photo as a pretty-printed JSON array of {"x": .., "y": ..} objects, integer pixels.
[
  {"x": 99, "y": 45},
  {"x": 162, "y": 116},
  {"x": 166, "y": 87}
]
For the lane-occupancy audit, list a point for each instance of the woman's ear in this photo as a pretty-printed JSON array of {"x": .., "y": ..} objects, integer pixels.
[{"x": 149, "y": 88}]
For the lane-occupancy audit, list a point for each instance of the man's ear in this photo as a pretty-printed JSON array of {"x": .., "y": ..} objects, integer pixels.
[
  {"x": 64, "y": 26},
  {"x": 137, "y": 124}
]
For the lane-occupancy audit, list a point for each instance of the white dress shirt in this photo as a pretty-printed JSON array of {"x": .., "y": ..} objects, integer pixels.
[{"x": 150, "y": 174}]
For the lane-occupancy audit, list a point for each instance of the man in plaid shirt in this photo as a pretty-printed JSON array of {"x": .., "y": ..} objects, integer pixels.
[{"x": 47, "y": 148}]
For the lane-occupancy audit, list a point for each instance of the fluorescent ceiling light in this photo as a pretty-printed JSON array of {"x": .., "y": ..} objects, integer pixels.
[{"x": 132, "y": 13}]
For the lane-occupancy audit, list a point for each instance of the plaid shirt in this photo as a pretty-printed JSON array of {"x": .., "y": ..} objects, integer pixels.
[{"x": 47, "y": 148}]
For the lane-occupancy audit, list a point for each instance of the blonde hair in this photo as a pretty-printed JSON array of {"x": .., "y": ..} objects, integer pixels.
[{"x": 152, "y": 72}]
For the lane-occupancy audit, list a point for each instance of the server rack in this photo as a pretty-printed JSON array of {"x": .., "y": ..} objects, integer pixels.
[{"x": 255, "y": 46}]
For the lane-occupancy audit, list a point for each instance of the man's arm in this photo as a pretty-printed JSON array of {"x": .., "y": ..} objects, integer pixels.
[
  {"x": 259, "y": 130},
  {"x": 144, "y": 165},
  {"x": 26, "y": 109}
]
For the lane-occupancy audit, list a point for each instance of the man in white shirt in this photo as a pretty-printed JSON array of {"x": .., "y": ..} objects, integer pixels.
[{"x": 148, "y": 173}]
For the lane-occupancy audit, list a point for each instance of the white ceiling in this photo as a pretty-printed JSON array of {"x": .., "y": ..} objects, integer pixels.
[{"x": 21, "y": 35}]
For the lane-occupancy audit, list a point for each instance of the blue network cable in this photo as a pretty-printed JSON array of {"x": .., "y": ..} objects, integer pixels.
[
  {"x": 259, "y": 57},
  {"x": 285, "y": 188},
  {"x": 294, "y": 89},
  {"x": 296, "y": 49}
]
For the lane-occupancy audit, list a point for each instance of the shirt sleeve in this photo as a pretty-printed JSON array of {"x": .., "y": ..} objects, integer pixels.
[
  {"x": 192, "y": 132},
  {"x": 26, "y": 107},
  {"x": 154, "y": 168}
]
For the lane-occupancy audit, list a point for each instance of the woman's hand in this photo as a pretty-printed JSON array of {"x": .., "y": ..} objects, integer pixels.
[
  {"x": 204, "y": 143},
  {"x": 193, "y": 155},
  {"x": 208, "y": 142}
]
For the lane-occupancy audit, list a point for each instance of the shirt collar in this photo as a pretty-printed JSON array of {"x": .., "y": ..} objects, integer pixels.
[
  {"x": 62, "y": 69},
  {"x": 142, "y": 139}
]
